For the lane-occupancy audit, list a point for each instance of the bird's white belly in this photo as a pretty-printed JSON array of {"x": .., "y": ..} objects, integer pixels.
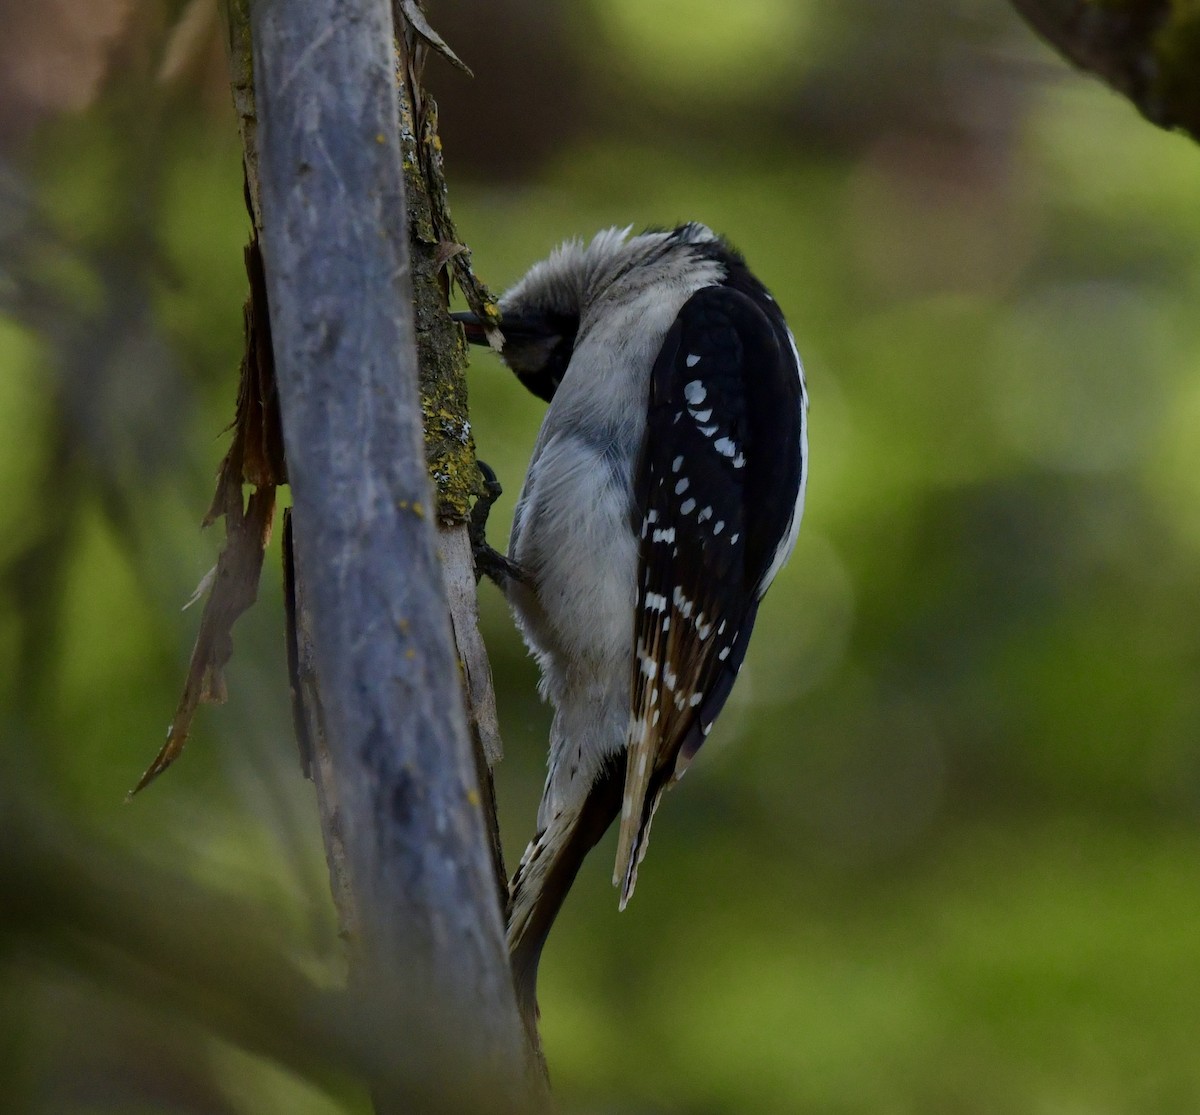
[{"x": 573, "y": 536}]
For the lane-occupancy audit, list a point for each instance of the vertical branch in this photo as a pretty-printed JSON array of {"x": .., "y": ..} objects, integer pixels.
[
  {"x": 435, "y": 255},
  {"x": 430, "y": 963}
]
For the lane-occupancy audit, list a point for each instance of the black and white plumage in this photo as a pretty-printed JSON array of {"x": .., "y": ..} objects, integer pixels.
[{"x": 664, "y": 493}]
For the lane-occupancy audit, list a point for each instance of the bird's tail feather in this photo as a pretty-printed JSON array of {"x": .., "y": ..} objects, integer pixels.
[
  {"x": 635, "y": 837},
  {"x": 544, "y": 877},
  {"x": 639, "y": 752},
  {"x": 644, "y": 788}
]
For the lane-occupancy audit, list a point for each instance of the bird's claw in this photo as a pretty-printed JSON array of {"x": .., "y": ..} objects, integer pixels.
[{"x": 490, "y": 562}]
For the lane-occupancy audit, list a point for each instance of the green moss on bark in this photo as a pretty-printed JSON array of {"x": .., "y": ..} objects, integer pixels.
[{"x": 449, "y": 446}]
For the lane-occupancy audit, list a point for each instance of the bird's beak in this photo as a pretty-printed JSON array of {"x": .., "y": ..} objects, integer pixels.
[{"x": 475, "y": 330}]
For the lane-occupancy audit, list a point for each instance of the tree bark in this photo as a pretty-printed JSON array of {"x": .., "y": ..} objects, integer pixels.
[{"x": 429, "y": 963}]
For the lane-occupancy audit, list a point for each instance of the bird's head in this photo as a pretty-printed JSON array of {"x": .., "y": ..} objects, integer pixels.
[{"x": 542, "y": 313}]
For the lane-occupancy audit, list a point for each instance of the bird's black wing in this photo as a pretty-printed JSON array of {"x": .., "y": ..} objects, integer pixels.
[{"x": 716, "y": 485}]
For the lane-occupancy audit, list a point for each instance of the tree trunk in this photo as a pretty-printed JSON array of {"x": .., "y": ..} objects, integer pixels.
[{"x": 402, "y": 802}]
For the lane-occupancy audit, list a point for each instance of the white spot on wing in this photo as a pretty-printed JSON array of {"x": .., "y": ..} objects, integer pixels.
[
  {"x": 694, "y": 393},
  {"x": 692, "y": 360},
  {"x": 725, "y": 447},
  {"x": 681, "y": 486},
  {"x": 682, "y": 603},
  {"x": 677, "y": 464},
  {"x": 687, "y": 506}
]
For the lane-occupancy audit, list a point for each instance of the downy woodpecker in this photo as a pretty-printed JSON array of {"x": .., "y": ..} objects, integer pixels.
[{"x": 664, "y": 494}]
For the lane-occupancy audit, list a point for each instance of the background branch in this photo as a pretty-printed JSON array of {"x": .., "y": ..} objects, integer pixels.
[{"x": 1147, "y": 50}]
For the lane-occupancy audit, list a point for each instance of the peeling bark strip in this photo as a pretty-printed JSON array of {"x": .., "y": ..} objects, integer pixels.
[
  {"x": 255, "y": 457},
  {"x": 308, "y": 718},
  {"x": 431, "y": 963}
]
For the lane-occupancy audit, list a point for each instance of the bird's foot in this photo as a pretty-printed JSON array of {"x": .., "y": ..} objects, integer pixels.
[{"x": 490, "y": 562}]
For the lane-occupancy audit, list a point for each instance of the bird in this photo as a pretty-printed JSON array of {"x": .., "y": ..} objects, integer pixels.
[{"x": 663, "y": 495}]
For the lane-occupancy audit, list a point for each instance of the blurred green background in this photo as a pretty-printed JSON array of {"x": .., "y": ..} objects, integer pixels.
[{"x": 942, "y": 853}]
